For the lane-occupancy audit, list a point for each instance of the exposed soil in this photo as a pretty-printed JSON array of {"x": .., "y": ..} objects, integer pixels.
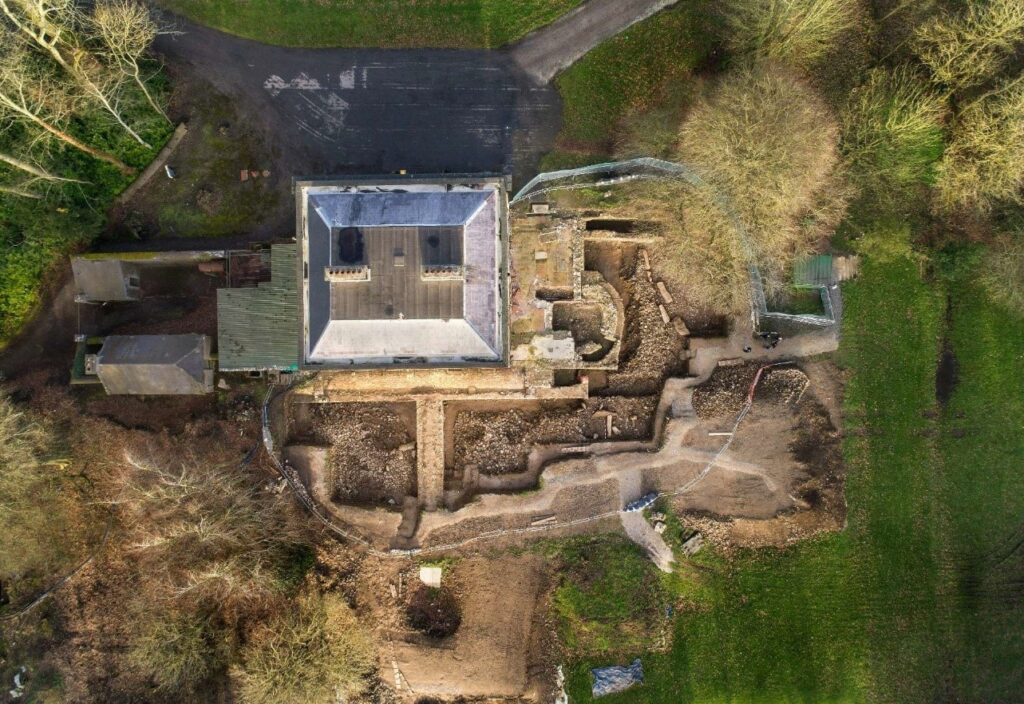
[
  {"x": 583, "y": 320},
  {"x": 171, "y": 413},
  {"x": 372, "y": 456},
  {"x": 499, "y": 441},
  {"x": 434, "y": 612},
  {"x": 495, "y": 650},
  {"x": 651, "y": 348},
  {"x": 790, "y": 432}
]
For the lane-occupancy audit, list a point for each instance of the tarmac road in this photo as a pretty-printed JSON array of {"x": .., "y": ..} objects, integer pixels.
[
  {"x": 551, "y": 49},
  {"x": 373, "y": 111}
]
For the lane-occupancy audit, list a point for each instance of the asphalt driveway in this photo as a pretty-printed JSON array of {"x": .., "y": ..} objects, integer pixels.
[{"x": 347, "y": 111}]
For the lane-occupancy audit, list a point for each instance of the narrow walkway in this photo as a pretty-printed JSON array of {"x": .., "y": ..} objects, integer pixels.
[
  {"x": 430, "y": 453},
  {"x": 554, "y": 48}
]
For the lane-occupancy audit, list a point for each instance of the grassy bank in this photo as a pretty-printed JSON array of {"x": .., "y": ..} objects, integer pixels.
[
  {"x": 917, "y": 601},
  {"x": 375, "y": 23},
  {"x": 645, "y": 68}
]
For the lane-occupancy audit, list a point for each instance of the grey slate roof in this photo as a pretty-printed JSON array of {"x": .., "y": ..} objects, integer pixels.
[
  {"x": 257, "y": 328},
  {"x": 397, "y": 314},
  {"x": 155, "y": 364}
]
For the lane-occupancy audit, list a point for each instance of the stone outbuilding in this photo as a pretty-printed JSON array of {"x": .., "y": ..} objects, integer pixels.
[{"x": 154, "y": 364}]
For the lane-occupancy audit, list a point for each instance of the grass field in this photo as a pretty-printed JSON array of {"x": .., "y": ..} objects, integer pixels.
[
  {"x": 644, "y": 68},
  {"x": 609, "y": 600},
  {"x": 482, "y": 24},
  {"x": 918, "y": 600}
]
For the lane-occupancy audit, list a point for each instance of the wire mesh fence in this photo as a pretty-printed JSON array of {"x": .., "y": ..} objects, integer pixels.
[{"x": 613, "y": 173}]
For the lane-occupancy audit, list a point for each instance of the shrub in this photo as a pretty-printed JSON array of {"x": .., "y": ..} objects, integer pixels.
[
  {"x": 1004, "y": 271},
  {"x": 984, "y": 162},
  {"x": 767, "y": 147},
  {"x": 798, "y": 32},
  {"x": 971, "y": 48},
  {"x": 317, "y": 652},
  {"x": 892, "y": 132},
  {"x": 178, "y": 651}
]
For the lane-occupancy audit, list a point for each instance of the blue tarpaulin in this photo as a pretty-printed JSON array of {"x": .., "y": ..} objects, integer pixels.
[
  {"x": 642, "y": 503},
  {"x": 609, "y": 680}
]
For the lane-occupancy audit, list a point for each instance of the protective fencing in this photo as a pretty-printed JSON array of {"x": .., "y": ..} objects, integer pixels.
[
  {"x": 607, "y": 174},
  {"x": 647, "y": 168},
  {"x": 291, "y": 477}
]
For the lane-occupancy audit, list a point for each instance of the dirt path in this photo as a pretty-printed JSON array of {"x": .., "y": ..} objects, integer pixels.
[
  {"x": 48, "y": 340},
  {"x": 554, "y": 48}
]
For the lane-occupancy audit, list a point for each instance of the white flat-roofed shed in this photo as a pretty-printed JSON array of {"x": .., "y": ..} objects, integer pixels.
[{"x": 408, "y": 273}]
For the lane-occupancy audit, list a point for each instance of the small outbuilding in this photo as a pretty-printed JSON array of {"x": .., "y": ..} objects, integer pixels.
[
  {"x": 154, "y": 364},
  {"x": 99, "y": 280}
]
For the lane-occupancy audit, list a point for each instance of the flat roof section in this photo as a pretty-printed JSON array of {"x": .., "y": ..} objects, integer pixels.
[{"x": 397, "y": 289}]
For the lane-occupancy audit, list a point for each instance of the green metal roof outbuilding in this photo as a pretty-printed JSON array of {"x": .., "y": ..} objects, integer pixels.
[
  {"x": 258, "y": 328},
  {"x": 814, "y": 271}
]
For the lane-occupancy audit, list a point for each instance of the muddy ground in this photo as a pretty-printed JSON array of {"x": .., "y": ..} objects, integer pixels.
[
  {"x": 502, "y": 652},
  {"x": 791, "y": 431}
]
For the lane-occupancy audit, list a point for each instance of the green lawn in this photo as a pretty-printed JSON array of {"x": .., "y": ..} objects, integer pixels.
[
  {"x": 982, "y": 447},
  {"x": 918, "y": 600},
  {"x": 609, "y": 600},
  {"x": 375, "y": 23},
  {"x": 644, "y": 68}
]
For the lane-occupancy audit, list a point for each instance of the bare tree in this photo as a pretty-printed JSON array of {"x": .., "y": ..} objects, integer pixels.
[
  {"x": 20, "y": 191},
  {"x": 767, "y": 145},
  {"x": 971, "y": 48},
  {"x": 50, "y": 26},
  {"x": 28, "y": 97},
  {"x": 127, "y": 30},
  {"x": 798, "y": 32},
  {"x": 35, "y": 173},
  {"x": 204, "y": 531},
  {"x": 33, "y": 169},
  {"x": 984, "y": 162}
]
